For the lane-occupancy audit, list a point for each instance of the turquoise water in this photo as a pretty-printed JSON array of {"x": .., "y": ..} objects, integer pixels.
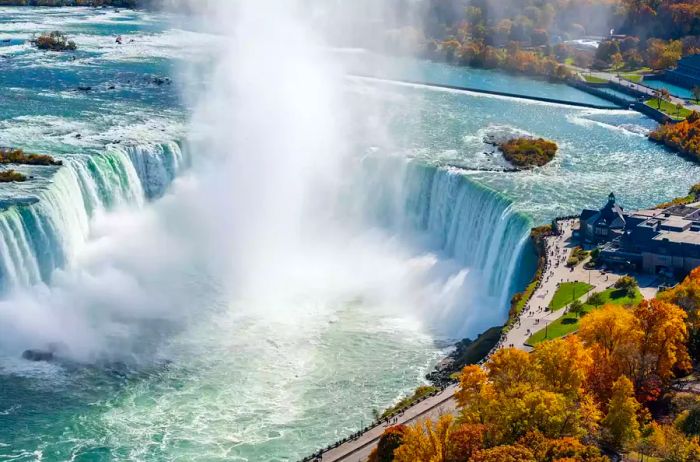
[
  {"x": 675, "y": 90},
  {"x": 276, "y": 380}
]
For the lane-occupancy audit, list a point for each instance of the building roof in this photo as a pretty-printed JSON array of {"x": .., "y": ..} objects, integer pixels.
[
  {"x": 612, "y": 214},
  {"x": 691, "y": 64}
]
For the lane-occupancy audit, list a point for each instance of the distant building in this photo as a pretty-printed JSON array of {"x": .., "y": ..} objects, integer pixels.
[
  {"x": 686, "y": 73},
  {"x": 657, "y": 241}
]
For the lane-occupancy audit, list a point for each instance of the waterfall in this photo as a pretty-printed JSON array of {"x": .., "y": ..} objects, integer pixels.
[
  {"x": 157, "y": 165},
  {"x": 36, "y": 239},
  {"x": 453, "y": 215}
]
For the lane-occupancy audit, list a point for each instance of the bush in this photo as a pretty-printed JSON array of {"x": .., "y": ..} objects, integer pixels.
[
  {"x": 8, "y": 176},
  {"x": 54, "y": 41},
  {"x": 420, "y": 393},
  {"x": 596, "y": 299},
  {"x": 18, "y": 156},
  {"x": 690, "y": 425},
  {"x": 577, "y": 256},
  {"x": 628, "y": 284},
  {"x": 528, "y": 152}
]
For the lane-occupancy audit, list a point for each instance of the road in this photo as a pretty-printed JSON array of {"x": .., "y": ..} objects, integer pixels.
[{"x": 640, "y": 87}]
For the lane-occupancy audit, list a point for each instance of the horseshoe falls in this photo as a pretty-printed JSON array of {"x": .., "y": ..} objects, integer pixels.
[{"x": 247, "y": 250}]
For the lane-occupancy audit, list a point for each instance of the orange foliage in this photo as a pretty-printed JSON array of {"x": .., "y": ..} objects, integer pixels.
[
  {"x": 646, "y": 344},
  {"x": 683, "y": 136}
]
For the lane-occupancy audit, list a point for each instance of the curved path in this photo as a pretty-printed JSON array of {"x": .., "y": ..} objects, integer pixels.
[
  {"x": 535, "y": 315},
  {"x": 359, "y": 449},
  {"x": 533, "y": 318}
]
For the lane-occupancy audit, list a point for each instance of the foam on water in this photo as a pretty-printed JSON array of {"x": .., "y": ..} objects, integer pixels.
[
  {"x": 35, "y": 240},
  {"x": 191, "y": 369}
]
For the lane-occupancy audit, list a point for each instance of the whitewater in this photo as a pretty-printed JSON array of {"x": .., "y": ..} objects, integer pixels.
[{"x": 243, "y": 261}]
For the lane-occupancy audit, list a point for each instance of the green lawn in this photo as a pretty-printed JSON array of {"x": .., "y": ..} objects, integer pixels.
[
  {"x": 569, "y": 322},
  {"x": 668, "y": 108},
  {"x": 567, "y": 293},
  {"x": 593, "y": 79},
  {"x": 636, "y": 78}
]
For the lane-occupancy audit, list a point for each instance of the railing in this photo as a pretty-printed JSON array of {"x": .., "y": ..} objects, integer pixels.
[
  {"x": 374, "y": 424},
  {"x": 599, "y": 93},
  {"x": 355, "y": 436}
]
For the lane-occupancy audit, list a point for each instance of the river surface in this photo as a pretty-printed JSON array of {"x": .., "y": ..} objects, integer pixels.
[{"x": 267, "y": 379}]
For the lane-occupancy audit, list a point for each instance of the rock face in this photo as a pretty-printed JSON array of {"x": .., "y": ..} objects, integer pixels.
[{"x": 37, "y": 355}]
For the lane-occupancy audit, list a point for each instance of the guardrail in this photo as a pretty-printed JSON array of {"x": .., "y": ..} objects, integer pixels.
[
  {"x": 596, "y": 91},
  {"x": 354, "y": 436}
]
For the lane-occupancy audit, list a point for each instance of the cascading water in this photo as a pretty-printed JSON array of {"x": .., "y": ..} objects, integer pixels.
[
  {"x": 472, "y": 224},
  {"x": 157, "y": 165},
  {"x": 36, "y": 239}
]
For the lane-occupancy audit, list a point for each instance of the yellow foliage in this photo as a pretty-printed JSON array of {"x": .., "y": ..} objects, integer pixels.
[
  {"x": 620, "y": 424},
  {"x": 427, "y": 442},
  {"x": 563, "y": 364}
]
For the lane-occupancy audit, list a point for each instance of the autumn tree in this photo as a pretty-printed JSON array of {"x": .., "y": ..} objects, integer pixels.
[
  {"x": 464, "y": 441},
  {"x": 511, "y": 453},
  {"x": 517, "y": 392},
  {"x": 563, "y": 364},
  {"x": 628, "y": 284},
  {"x": 670, "y": 445},
  {"x": 620, "y": 424},
  {"x": 390, "y": 440},
  {"x": 662, "y": 346},
  {"x": 687, "y": 296},
  {"x": 426, "y": 442},
  {"x": 646, "y": 344}
]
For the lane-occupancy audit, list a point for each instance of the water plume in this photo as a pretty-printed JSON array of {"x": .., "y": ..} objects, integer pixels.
[{"x": 277, "y": 217}]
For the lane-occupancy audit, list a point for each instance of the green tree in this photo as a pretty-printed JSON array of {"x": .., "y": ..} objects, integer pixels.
[
  {"x": 628, "y": 284},
  {"x": 576, "y": 308},
  {"x": 690, "y": 425},
  {"x": 596, "y": 299}
]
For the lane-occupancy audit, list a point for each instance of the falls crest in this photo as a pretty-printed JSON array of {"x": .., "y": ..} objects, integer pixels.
[
  {"x": 454, "y": 216},
  {"x": 36, "y": 239}
]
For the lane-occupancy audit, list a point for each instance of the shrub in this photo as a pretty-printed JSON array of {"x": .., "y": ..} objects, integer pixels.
[
  {"x": 596, "y": 299},
  {"x": 18, "y": 156},
  {"x": 628, "y": 284},
  {"x": 8, "y": 176},
  {"x": 690, "y": 423},
  {"x": 54, "y": 41}
]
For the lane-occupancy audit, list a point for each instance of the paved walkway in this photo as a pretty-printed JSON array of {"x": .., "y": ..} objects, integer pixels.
[
  {"x": 533, "y": 318},
  {"x": 358, "y": 450},
  {"x": 535, "y": 315}
]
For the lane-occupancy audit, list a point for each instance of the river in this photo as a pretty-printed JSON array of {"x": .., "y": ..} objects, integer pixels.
[{"x": 202, "y": 307}]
